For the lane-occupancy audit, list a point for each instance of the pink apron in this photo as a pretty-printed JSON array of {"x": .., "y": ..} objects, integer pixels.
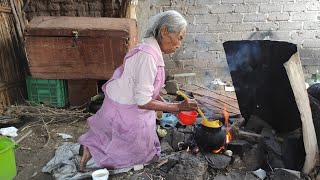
[{"x": 123, "y": 135}]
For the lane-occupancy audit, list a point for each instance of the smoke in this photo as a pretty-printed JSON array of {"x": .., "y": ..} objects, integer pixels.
[{"x": 243, "y": 55}]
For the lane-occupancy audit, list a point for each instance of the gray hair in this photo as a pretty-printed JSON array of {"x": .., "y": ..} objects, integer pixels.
[{"x": 170, "y": 19}]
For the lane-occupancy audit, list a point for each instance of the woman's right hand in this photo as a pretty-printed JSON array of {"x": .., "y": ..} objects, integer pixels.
[{"x": 188, "y": 105}]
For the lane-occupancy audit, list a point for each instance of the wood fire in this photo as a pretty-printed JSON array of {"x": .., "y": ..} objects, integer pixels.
[{"x": 228, "y": 134}]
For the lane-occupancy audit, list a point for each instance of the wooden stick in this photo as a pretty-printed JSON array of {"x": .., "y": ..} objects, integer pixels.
[
  {"x": 248, "y": 136},
  {"x": 5, "y": 9},
  {"x": 19, "y": 13},
  {"x": 48, "y": 133},
  {"x": 162, "y": 163},
  {"x": 17, "y": 22},
  {"x": 23, "y": 137}
]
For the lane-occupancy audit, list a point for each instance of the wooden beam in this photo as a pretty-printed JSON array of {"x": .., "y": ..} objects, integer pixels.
[
  {"x": 5, "y": 9},
  {"x": 296, "y": 78}
]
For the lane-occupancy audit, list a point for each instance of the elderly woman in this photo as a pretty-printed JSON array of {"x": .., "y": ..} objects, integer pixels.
[{"x": 123, "y": 132}]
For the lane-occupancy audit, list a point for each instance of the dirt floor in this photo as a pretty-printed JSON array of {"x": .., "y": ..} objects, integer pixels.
[{"x": 32, "y": 154}]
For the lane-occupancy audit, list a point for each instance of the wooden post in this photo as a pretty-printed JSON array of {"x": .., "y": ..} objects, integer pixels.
[{"x": 296, "y": 78}]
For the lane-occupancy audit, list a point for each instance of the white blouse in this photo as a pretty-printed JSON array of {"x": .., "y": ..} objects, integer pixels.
[{"x": 135, "y": 86}]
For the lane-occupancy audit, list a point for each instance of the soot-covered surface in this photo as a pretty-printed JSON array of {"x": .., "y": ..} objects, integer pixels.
[{"x": 261, "y": 82}]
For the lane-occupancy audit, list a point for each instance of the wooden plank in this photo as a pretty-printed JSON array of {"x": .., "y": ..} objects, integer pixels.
[
  {"x": 215, "y": 99},
  {"x": 296, "y": 78},
  {"x": 218, "y": 105},
  {"x": 212, "y": 112}
]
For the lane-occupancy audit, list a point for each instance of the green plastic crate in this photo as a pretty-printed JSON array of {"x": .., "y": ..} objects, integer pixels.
[{"x": 49, "y": 92}]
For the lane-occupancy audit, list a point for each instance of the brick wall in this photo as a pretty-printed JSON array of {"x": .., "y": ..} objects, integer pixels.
[
  {"x": 91, "y": 8},
  {"x": 212, "y": 22}
]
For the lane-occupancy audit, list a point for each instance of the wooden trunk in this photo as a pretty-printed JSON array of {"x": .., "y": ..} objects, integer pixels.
[
  {"x": 78, "y": 47},
  {"x": 81, "y": 91}
]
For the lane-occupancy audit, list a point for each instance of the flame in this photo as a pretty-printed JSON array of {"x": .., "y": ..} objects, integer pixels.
[
  {"x": 226, "y": 116},
  {"x": 228, "y": 134},
  {"x": 188, "y": 149},
  {"x": 218, "y": 150},
  {"x": 228, "y": 137}
]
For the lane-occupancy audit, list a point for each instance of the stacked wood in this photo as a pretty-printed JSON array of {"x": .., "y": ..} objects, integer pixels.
[
  {"x": 215, "y": 101},
  {"x": 12, "y": 59}
]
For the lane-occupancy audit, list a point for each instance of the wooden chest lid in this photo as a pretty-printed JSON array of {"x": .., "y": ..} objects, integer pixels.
[{"x": 85, "y": 26}]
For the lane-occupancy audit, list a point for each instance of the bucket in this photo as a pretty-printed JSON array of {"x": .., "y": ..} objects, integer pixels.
[
  {"x": 187, "y": 117},
  {"x": 7, "y": 160},
  {"x": 101, "y": 174}
]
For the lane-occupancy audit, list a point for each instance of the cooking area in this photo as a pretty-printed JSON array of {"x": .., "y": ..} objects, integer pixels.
[{"x": 159, "y": 89}]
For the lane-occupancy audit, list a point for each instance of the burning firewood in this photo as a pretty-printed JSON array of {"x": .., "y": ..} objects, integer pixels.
[{"x": 236, "y": 133}]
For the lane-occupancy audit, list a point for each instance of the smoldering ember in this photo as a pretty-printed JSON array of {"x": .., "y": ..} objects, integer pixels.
[{"x": 159, "y": 89}]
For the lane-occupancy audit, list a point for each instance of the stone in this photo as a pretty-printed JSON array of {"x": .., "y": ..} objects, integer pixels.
[
  {"x": 217, "y": 161},
  {"x": 236, "y": 175},
  {"x": 228, "y": 153},
  {"x": 293, "y": 152},
  {"x": 192, "y": 168},
  {"x": 172, "y": 87},
  {"x": 239, "y": 146},
  {"x": 254, "y": 158},
  {"x": 169, "y": 136},
  {"x": 177, "y": 137},
  {"x": 273, "y": 149},
  {"x": 267, "y": 133},
  {"x": 256, "y": 124},
  {"x": 188, "y": 135},
  {"x": 272, "y": 145},
  {"x": 236, "y": 162},
  {"x": 165, "y": 146},
  {"x": 280, "y": 174},
  {"x": 169, "y": 165}
]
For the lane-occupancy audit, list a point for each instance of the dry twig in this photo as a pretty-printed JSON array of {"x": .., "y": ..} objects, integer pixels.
[
  {"x": 43, "y": 116},
  {"x": 47, "y": 130},
  {"x": 149, "y": 176}
]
